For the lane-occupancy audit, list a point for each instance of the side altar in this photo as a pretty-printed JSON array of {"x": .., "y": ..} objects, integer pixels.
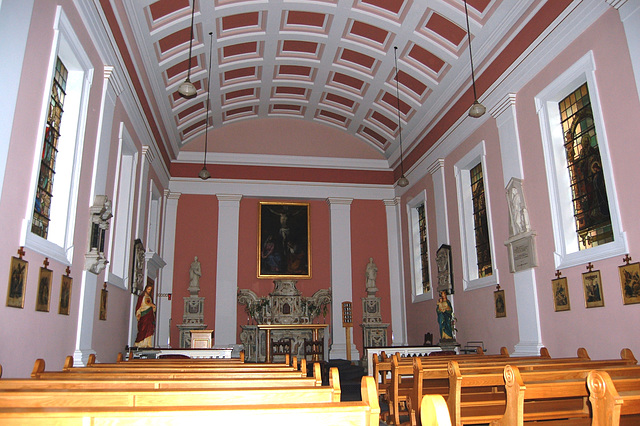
[{"x": 286, "y": 306}]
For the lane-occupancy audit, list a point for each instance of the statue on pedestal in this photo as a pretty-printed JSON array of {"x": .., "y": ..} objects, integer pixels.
[
  {"x": 445, "y": 317},
  {"x": 146, "y": 316},
  {"x": 195, "y": 272},
  {"x": 371, "y": 274}
]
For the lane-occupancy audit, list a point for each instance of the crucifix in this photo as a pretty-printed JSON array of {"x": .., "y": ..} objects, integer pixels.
[
  {"x": 21, "y": 252},
  {"x": 68, "y": 270},
  {"x": 46, "y": 263},
  {"x": 626, "y": 258},
  {"x": 558, "y": 273},
  {"x": 590, "y": 266}
]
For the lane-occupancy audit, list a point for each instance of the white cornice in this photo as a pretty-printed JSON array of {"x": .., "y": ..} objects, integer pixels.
[{"x": 285, "y": 161}]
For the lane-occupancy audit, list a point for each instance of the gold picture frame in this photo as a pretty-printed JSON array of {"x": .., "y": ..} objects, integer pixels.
[
  {"x": 284, "y": 240},
  {"x": 17, "y": 282},
  {"x": 592, "y": 284},
  {"x": 630, "y": 283},
  {"x": 560, "y": 288},
  {"x": 104, "y": 295},
  {"x": 500, "y": 304},
  {"x": 65, "y": 295},
  {"x": 43, "y": 297}
]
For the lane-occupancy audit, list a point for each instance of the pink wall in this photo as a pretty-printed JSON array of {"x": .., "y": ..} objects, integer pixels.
[
  {"x": 603, "y": 331},
  {"x": 196, "y": 235},
  {"x": 369, "y": 239}
]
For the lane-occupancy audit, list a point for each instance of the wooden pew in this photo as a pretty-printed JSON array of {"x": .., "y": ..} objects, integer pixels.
[
  {"x": 352, "y": 413},
  {"x": 124, "y": 397},
  {"x": 431, "y": 379},
  {"x": 39, "y": 372},
  {"x": 613, "y": 402}
]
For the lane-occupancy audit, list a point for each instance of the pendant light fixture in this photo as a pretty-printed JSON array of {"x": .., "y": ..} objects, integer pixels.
[
  {"x": 187, "y": 89},
  {"x": 477, "y": 109},
  {"x": 403, "y": 181},
  {"x": 204, "y": 173}
]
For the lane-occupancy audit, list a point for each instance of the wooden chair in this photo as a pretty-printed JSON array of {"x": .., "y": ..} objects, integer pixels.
[
  {"x": 315, "y": 349},
  {"x": 281, "y": 347}
]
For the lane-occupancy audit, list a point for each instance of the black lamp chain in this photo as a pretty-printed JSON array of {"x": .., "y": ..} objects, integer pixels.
[
  {"x": 473, "y": 76},
  {"x": 193, "y": 11},
  {"x": 206, "y": 124},
  {"x": 395, "y": 56}
]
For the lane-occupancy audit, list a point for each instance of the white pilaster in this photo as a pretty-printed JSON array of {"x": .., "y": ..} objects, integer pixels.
[
  {"x": 396, "y": 273},
  {"x": 436, "y": 169},
  {"x": 524, "y": 281},
  {"x": 341, "y": 283},
  {"x": 163, "y": 311},
  {"x": 227, "y": 269},
  {"x": 630, "y": 16}
]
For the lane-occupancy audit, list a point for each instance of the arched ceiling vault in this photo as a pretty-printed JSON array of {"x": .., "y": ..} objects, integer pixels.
[{"x": 324, "y": 61}]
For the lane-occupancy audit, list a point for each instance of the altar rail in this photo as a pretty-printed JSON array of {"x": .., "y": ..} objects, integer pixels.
[
  {"x": 404, "y": 351},
  {"x": 191, "y": 353}
]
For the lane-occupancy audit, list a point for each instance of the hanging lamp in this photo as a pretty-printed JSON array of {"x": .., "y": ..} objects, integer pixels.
[
  {"x": 204, "y": 173},
  {"x": 403, "y": 181},
  {"x": 187, "y": 89},
  {"x": 477, "y": 109}
]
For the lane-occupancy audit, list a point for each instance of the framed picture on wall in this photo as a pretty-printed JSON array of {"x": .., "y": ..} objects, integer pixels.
[
  {"x": 17, "y": 282},
  {"x": 284, "y": 241},
  {"x": 560, "y": 294},
  {"x": 44, "y": 290},
  {"x": 65, "y": 295},
  {"x": 592, "y": 283},
  {"x": 500, "y": 303},
  {"x": 630, "y": 283}
]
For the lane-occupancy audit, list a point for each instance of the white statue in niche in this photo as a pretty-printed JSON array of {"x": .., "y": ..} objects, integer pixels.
[
  {"x": 195, "y": 272},
  {"x": 518, "y": 213}
]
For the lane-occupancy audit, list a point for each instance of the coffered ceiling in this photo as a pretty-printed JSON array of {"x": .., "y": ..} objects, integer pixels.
[{"x": 325, "y": 61}]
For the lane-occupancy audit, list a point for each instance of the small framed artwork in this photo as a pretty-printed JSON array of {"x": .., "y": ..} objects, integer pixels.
[
  {"x": 104, "y": 294},
  {"x": 17, "y": 282},
  {"x": 560, "y": 294},
  {"x": 501, "y": 306},
  {"x": 65, "y": 295},
  {"x": 284, "y": 242},
  {"x": 592, "y": 283},
  {"x": 44, "y": 290},
  {"x": 630, "y": 282},
  {"x": 137, "y": 269}
]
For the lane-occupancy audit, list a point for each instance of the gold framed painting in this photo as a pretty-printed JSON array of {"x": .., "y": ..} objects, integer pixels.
[
  {"x": 592, "y": 283},
  {"x": 284, "y": 241},
  {"x": 65, "y": 295},
  {"x": 44, "y": 290},
  {"x": 630, "y": 283},
  {"x": 500, "y": 303},
  {"x": 104, "y": 295},
  {"x": 561, "y": 301},
  {"x": 17, "y": 282}
]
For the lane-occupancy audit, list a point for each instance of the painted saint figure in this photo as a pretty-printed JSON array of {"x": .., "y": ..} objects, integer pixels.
[
  {"x": 445, "y": 317},
  {"x": 146, "y": 316}
]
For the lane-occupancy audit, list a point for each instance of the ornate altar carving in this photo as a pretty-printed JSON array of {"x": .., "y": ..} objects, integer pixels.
[
  {"x": 285, "y": 305},
  {"x": 101, "y": 215},
  {"x": 521, "y": 245}
]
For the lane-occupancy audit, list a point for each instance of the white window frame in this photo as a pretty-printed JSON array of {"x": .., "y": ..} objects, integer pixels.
[
  {"x": 414, "y": 246},
  {"x": 470, "y": 279},
  {"x": 59, "y": 246},
  {"x": 566, "y": 252},
  {"x": 124, "y": 192}
]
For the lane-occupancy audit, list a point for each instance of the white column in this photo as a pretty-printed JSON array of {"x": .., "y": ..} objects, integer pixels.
[
  {"x": 15, "y": 20},
  {"x": 89, "y": 282},
  {"x": 145, "y": 164},
  {"x": 341, "y": 283},
  {"x": 524, "y": 281},
  {"x": 436, "y": 169},
  {"x": 630, "y": 16},
  {"x": 227, "y": 270},
  {"x": 163, "y": 311},
  {"x": 396, "y": 273}
]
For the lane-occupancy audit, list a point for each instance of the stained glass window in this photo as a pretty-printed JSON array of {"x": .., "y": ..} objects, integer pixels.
[
  {"x": 42, "y": 206},
  {"x": 480, "y": 224},
  {"x": 588, "y": 191},
  {"x": 424, "y": 249}
]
